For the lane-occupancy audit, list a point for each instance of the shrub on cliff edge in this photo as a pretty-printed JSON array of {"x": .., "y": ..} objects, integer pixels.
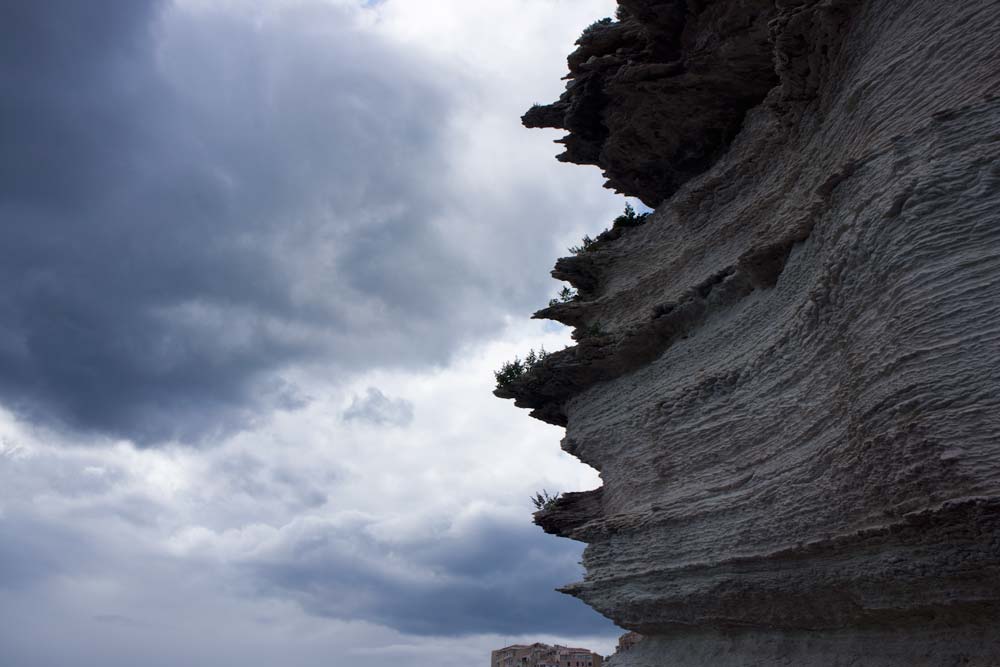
[
  {"x": 543, "y": 501},
  {"x": 629, "y": 218},
  {"x": 565, "y": 296},
  {"x": 626, "y": 220},
  {"x": 595, "y": 25},
  {"x": 512, "y": 370}
]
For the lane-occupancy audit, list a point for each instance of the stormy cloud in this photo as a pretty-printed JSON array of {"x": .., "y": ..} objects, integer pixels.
[{"x": 193, "y": 201}]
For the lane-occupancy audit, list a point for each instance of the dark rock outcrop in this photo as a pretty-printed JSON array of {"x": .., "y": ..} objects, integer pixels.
[
  {"x": 787, "y": 377},
  {"x": 655, "y": 98}
]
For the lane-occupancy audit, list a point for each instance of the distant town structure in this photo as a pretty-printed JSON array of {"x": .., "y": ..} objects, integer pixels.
[
  {"x": 543, "y": 655},
  {"x": 628, "y": 640}
]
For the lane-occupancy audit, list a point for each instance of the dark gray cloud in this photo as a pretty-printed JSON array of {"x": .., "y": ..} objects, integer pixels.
[
  {"x": 191, "y": 204},
  {"x": 377, "y": 408},
  {"x": 488, "y": 576}
]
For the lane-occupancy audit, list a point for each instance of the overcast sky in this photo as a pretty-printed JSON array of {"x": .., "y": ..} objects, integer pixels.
[{"x": 258, "y": 261}]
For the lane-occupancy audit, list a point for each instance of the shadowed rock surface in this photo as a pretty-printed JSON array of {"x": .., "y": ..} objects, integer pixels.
[
  {"x": 656, "y": 98},
  {"x": 789, "y": 377}
]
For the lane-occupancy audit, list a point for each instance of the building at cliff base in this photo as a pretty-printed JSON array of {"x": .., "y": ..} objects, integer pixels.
[
  {"x": 627, "y": 641},
  {"x": 543, "y": 655}
]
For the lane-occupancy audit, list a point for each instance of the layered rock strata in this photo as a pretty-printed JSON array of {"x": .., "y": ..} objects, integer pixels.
[{"x": 789, "y": 377}]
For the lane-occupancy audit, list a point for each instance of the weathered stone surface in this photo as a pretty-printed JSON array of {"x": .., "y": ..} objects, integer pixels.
[
  {"x": 934, "y": 647},
  {"x": 789, "y": 377},
  {"x": 655, "y": 98}
]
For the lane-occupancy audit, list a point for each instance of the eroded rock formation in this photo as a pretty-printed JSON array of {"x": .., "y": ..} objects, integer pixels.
[{"x": 789, "y": 377}]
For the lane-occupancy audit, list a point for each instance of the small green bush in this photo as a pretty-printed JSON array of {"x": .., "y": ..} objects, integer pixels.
[
  {"x": 629, "y": 218},
  {"x": 513, "y": 370},
  {"x": 510, "y": 371},
  {"x": 624, "y": 221},
  {"x": 586, "y": 243},
  {"x": 565, "y": 296},
  {"x": 597, "y": 24},
  {"x": 543, "y": 501},
  {"x": 533, "y": 358}
]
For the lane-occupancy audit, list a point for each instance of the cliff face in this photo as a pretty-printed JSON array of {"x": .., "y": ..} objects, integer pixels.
[{"x": 789, "y": 377}]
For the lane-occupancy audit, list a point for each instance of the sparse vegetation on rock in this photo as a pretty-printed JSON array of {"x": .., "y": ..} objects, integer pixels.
[
  {"x": 585, "y": 244},
  {"x": 566, "y": 294},
  {"x": 629, "y": 218},
  {"x": 515, "y": 369},
  {"x": 543, "y": 500},
  {"x": 596, "y": 25},
  {"x": 626, "y": 220}
]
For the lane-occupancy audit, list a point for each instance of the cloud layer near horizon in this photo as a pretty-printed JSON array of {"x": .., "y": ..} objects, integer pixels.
[{"x": 412, "y": 528}]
